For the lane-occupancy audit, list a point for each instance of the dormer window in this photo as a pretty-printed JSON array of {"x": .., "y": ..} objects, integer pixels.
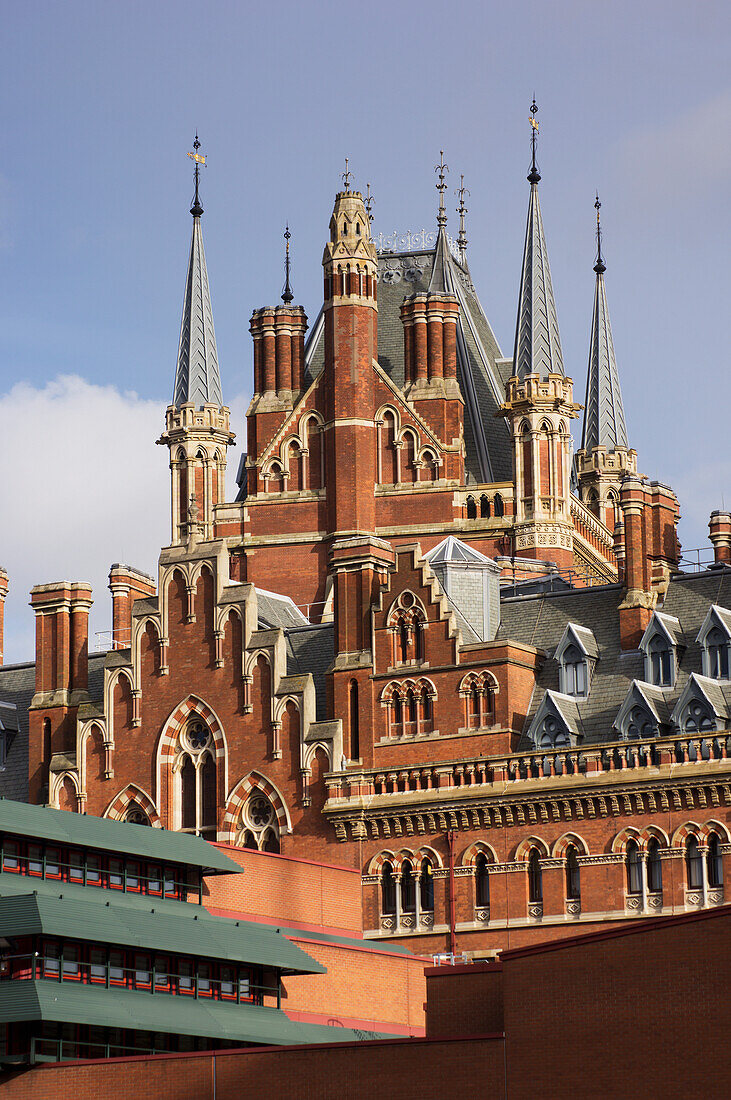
[
  {"x": 661, "y": 662},
  {"x": 556, "y": 724},
  {"x": 717, "y": 647},
  {"x": 698, "y": 718},
  {"x": 552, "y": 735},
  {"x": 576, "y": 653},
  {"x": 575, "y": 680},
  {"x": 660, "y": 644}
]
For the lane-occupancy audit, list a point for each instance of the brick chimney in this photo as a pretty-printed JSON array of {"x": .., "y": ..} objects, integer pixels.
[
  {"x": 126, "y": 584},
  {"x": 636, "y": 608},
  {"x": 4, "y": 585},
  {"x": 719, "y": 532}
]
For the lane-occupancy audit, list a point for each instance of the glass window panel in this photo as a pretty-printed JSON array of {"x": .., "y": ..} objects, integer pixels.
[
  {"x": 76, "y": 866},
  {"x": 142, "y": 969},
  {"x": 93, "y": 869},
  {"x": 133, "y": 875},
  {"x": 35, "y": 859},
  {"x": 116, "y": 868},
  {"x": 98, "y": 961},
  {"x": 10, "y": 855},
  {"x": 71, "y": 960},
  {"x": 116, "y": 966},
  {"x": 52, "y": 862}
]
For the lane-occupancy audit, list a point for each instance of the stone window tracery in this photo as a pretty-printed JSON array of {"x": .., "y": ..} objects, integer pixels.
[
  {"x": 407, "y": 626},
  {"x": 195, "y": 771},
  {"x": 717, "y": 654},
  {"x": 410, "y": 708},
  {"x": 259, "y": 822},
  {"x": 478, "y": 692},
  {"x": 698, "y": 718},
  {"x": 640, "y": 725},
  {"x": 407, "y": 894}
]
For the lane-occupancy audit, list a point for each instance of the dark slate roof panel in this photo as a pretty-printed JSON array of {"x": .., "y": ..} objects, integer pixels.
[{"x": 312, "y": 649}]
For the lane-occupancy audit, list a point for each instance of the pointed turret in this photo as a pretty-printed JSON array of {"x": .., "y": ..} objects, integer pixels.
[
  {"x": 604, "y": 424},
  {"x": 605, "y": 456},
  {"x": 539, "y": 402},
  {"x": 537, "y": 341},
  {"x": 197, "y": 421},
  {"x": 197, "y": 378}
]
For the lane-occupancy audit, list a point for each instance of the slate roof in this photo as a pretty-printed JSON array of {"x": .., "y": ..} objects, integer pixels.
[
  {"x": 312, "y": 649},
  {"x": 481, "y": 369},
  {"x": 540, "y": 620},
  {"x": 604, "y": 424},
  {"x": 277, "y": 610},
  {"x": 196, "y": 377}
]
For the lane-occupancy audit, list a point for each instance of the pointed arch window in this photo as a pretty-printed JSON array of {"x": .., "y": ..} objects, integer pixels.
[
  {"x": 485, "y": 509},
  {"x": 477, "y": 691},
  {"x": 197, "y": 780},
  {"x": 575, "y": 673},
  {"x": 661, "y": 661},
  {"x": 259, "y": 823},
  {"x": 498, "y": 506},
  {"x": 633, "y": 864},
  {"x": 698, "y": 718},
  {"x": 426, "y": 887},
  {"x": 482, "y": 882},
  {"x": 136, "y": 815},
  {"x": 573, "y": 874},
  {"x": 427, "y": 713},
  {"x": 471, "y": 508},
  {"x": 552, "y": 734},
  {"x": 388, "y": 890},
  {"x": 714, "y": 861},
  {"x": 717, "y": 654},
  {"x": 407, "y": 884},
  {"x": 654, "y": 867},
  {"x": 640, "y": 725},
  {"x": 535, "y": 877},
  {"x": 693, "y": 864}
]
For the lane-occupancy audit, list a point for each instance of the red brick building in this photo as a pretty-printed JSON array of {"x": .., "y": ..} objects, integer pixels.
[{"x": 424, "y": 642}]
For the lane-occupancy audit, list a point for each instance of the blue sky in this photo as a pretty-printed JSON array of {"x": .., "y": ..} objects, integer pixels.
[{"x": 101, "y": 103}]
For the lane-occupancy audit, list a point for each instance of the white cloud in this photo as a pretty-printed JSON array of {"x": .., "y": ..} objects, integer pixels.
[
  {"x": 83, "y": 486},
  {"x": 681, "y": 158}
]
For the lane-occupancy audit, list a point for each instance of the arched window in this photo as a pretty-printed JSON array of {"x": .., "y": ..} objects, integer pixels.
[
  {"x": 259, "y": 820},
  {"x": 475, "y": 709},
  {"x": 654, "y": 867},
  {"x": 484, "y": 507},
  {"x": 714, "y": 861},
  {"x": 47, "y": 750},
  {"x": 408, "y": 893},
  {"x": 693, "y": 864},
  {"x": 717, "y": 647},
  {"x": 412, "y": 712},
  {"x": 552, "y": 735},
  {"x": 479, "y": 702},
  {"x": 136, "y": 815},
  {"x": 188, "y": 794},
  {"x": 396, "y": 714},
  {"x": 471, "y": 508},
  {"x": 426, "y": 887},
  {"x": 197, "y": 779},
  {"x": 593, "y": 503},
  {"x": 498, "y": 505},
  {"x": 661, "y": 662},
  {"x": 430, "y": 466},
  {"x": 275, "y": 477},
  {"x": 427, "y": 715},
  {"x": 634, "y": 868},
  {"x": 409, "y": 471},
  {"x": 640, "y": 725},
  {"x": 388, "y": 890},
  {"x": 573, "y": 875},
  {"x": 354, "y": 721},
  {"x": 698, "y": 718},
  {"x": 482, "y": 882},
  {"x": 403, "y": 641},
  {"x": 575, "y": 680},
  {"x": 418, "y": 639},
  {"x": 535, "y": 877}
]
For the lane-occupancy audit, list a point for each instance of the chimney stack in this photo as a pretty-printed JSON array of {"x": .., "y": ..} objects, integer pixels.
[
  {"x": 4, "y": 585},
  {"x": 719, "y": 532},
  {"x": 126, "y": 584}
]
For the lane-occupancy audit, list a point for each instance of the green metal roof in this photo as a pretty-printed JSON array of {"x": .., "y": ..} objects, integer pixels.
[
  {"x": 153, "y": 924},
  {"x": 65, "y": 1002},
  {"x": 80, "y": 830}
]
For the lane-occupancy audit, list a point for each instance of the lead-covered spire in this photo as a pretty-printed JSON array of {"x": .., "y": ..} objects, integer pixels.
[
  {"x": 197, "y": 377},
  {"x": 604, "y": 423},
  {"x": 537, "y": 341}
]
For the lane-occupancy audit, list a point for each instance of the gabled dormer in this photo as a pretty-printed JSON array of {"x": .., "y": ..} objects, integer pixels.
[
  {"x": 703, "y": 707},
  {"x": 556, "y": 724},
  {"x": 715, "y": 638},
  {"x": 643, "y": 713},
  {"x": 661, "y": 645},
  {"x": 577, "y": 654}
]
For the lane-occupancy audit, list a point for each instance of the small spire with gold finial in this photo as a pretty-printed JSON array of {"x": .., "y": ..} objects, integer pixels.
[
  {"x": 369, "y": 200},
  {"x": 287, "y": 294},
  {"x": 346, "y": 176},
  {"x": 534, "y": 175},
  {"x": 200, "y": 162},
  {"x": 599, "y": 266},
  {"x": 441, "y": 168},
  {"x": 462, "y": 210}
]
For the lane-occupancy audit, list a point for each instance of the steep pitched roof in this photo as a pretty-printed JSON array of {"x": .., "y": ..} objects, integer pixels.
[
  {"x": 197, "y": 378},
  {"x": 537, "y": 341},
  {"x": 604, "y": 424}
]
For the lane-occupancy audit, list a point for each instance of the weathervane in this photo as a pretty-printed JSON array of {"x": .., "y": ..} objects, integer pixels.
[
  {"x": 200, "y": 162},
  {"x": 346, "y": 176},
  {"x": 534, "y": 175},
  {"x": 599, "y": 266},
  {"x": 369, "y": 202},
  {"x": 462, "y": 210},
  {"x": 441, "y": 168},
  {"x": 287, "y": 294}
]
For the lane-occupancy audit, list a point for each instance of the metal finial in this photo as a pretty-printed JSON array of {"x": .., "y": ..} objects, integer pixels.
[
  {"x": 369, "y": 202},
  {"x": 346, "y": 176},
  {"x": 200, "y": 162},
  {"x": 599, "y": 266},
  {"x": 441, "y": 168},
  {"x": 287, "y": 294},
  {"x": 534, "y": 175},
  {"x": 462, "y": 210}
]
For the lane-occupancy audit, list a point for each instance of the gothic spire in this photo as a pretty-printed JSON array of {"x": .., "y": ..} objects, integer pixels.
[
  {"x": 287, "y": 294},
  {"x": 604, "y": 424},
  {"x": 462, "y": 210},
  {"x": 537, "y": 340},
  {"x": 197, "y": 378},
  {"x": 440, "y": 282}
]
